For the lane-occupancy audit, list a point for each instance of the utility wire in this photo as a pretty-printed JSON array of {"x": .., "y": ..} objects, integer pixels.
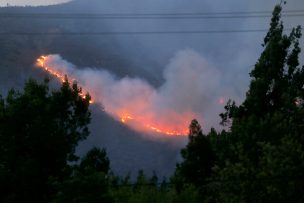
[
  {"x": 140, "y": 32},
  {"x": 194, "y": 15},
  {"x": 139, "y": 16},
  {"x": 161, "y": 14}
]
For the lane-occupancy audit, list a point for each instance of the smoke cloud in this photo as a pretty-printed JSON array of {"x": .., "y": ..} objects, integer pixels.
[{"x": 191, "y": 90}]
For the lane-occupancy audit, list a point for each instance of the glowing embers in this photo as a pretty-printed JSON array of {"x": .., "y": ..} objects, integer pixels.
[
  {"x": 41, "y": 62},
  {"x": 124, "y": 119},
  {"x": 127, "y": 119},
  {"x": 135, "y": 120},
  {"x": 167, "y": 132}
]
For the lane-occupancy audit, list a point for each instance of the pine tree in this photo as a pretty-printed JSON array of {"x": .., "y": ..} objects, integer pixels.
[
  {"x": 264, "y": 147},
  {"x": 39, "y": 131},
  {"x": 198, "y": 157}
]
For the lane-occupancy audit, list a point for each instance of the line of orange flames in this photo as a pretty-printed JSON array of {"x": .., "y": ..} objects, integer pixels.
[{"x": 124, "y": 119}]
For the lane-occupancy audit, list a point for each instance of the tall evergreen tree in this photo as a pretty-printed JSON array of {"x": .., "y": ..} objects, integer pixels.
[
  {"x": 264, "y": 146},
  {"x": 39, "y": 131},
  {"x": 198, "y": 157}
]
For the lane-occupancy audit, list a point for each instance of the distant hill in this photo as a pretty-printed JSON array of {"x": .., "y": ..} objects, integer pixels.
[
  {"x": 128, "y": 150},
  {"x": 19, "y": 52}
]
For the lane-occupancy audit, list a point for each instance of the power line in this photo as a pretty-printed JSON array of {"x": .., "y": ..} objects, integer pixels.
[
  {"x": 138, "y": 17},
  {"x": 161, "y": 14},
  {"x": 140, "y": 32},
  {"x": 194, "y": 15}
]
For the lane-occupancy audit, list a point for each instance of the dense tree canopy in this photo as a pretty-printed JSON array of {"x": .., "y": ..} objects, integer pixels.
[
  {"x": 39, "y": 131},
  {"x": 89, "y": 181},
  {"x": 264, "y": 147},
  {"x": 261, "y": 157},
  {"x": 198, "y": 157}
]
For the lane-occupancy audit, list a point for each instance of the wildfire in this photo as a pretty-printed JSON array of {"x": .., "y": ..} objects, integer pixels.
[
  {"x": 125, "y": 118},
  {"x": 41, "y": 63}
]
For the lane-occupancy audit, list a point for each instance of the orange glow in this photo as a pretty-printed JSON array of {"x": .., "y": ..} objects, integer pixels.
[
  {"x": 221, "y": 100},
  {"x": 126, "y": 116},
  {"x": 41, "y": 63},
  {"x": 124, "y": 119}
]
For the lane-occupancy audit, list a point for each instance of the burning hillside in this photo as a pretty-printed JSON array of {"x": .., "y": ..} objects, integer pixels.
[
  {"x": 128, "y": 113},
  {"x": 132, "y": 101}
]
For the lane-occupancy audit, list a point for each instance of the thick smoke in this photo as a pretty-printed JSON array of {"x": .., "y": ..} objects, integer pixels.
[{"x": 191, "y": 90}]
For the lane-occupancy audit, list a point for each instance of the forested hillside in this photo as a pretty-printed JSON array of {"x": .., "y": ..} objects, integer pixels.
[{"x": 259, "y": 158}]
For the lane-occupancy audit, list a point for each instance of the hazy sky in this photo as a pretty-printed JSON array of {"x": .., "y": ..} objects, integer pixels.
[{"x": 30, "y": 2}]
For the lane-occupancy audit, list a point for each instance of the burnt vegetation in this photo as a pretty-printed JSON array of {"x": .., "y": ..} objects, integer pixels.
[{"x": 259, "y": 159}]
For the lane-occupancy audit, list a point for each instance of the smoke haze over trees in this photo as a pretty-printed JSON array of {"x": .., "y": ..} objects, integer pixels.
[
  {"x": 231, "y": 55},
  {"x": 258, "y": 158}
]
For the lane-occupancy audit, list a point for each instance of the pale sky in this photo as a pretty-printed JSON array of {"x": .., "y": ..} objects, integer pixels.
[{"x": 30, "y": 2}]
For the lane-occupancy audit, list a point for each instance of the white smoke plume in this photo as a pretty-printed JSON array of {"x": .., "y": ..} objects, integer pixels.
[{"x": 191, "y": 90}]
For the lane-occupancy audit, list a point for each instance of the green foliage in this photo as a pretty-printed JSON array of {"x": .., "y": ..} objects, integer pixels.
[
  {"x": 95, "y": 160},
  {"x": 261, "y": 158},
  {"x": 147, "y": 190},
  {"x": 196, "y": 168},
  {"x": 92, "y": 187},
  {"x": 198, "y": 160},
  {"x": 89, "y": 181},
  {"x": 39, "y": 131}
]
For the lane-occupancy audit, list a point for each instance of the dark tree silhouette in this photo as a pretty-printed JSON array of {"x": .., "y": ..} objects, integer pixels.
[
  {"x": 198, "y": 157},
  {"x": 264, "y": 150},
  {"x": 39, "y": 131}
]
